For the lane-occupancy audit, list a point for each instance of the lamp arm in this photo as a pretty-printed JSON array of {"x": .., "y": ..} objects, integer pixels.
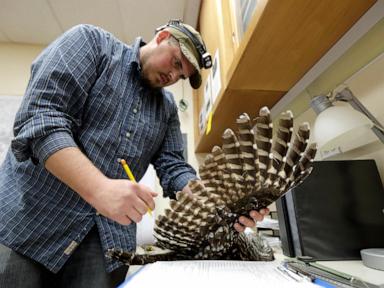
[{"x": 347, "y": 95}]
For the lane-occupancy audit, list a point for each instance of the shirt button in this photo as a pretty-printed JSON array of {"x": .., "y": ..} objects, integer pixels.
[
  {"x": 135, "y": 110},
  {"x": 128, "y": 134}
]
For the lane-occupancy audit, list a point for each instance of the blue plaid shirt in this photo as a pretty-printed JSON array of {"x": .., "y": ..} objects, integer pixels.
[{"x": 85, "y": 91}]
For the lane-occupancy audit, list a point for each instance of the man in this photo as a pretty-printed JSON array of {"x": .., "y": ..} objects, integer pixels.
[{"x": 91, "y": 100}]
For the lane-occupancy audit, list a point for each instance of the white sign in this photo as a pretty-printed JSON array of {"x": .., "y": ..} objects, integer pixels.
[
  {"x": 216, "y": 77},
  {"x": 8, "y": 108}
]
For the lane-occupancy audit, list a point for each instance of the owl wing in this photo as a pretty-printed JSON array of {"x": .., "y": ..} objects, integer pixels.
[{"x": 249, "y": 171}]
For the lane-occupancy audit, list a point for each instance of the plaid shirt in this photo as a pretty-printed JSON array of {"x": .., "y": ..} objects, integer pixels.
[{"x": 85, "y": 91}]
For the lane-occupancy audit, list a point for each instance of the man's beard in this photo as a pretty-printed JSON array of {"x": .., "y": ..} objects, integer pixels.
[{"x": 145, "y": 81}]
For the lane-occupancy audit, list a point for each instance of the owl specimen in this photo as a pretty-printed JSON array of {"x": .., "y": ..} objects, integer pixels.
[{"x": 248, "y": 172}]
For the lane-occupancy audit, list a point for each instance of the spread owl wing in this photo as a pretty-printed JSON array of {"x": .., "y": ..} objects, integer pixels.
[{"x": 250, "y": 171}]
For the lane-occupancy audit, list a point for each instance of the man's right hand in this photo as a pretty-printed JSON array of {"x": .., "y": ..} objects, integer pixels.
[
  {"x": 123, "y": 201},
  {"x": 120, "y": 200}
]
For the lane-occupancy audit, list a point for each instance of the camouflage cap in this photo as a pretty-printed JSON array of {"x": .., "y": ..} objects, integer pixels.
[{"x": 189, "y": 50}]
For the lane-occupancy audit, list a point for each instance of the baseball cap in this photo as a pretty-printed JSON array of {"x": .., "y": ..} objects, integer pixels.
[{"x": 188, "y": 48}]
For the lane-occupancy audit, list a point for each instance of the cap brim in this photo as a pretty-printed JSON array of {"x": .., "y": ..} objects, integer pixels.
[{"x": 195, "y": 80}]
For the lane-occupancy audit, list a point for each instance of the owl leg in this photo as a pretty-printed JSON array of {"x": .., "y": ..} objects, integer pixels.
[
  {"x": 133, "y": 258},
  {"x": 253, "y": 248}
]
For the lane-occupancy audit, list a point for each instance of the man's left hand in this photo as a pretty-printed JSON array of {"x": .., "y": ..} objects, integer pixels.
[{"x": 251, "y": 221}]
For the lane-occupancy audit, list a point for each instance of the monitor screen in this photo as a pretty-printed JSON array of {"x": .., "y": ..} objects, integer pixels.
[{"x": 337, "y": 211}]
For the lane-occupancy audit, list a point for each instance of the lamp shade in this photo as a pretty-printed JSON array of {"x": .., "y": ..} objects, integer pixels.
[{"x": 339, "y": 126}]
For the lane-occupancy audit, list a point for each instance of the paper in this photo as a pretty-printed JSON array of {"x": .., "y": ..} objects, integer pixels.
[
  {"x": 8, "y": 108},
  {"x": 268, "y": 223},
  {"x": 145, "y": 228},
  {"x": 205, "y": 116},
  {"x": 221, "y": 274},
  {"x": 208, "y": 91},
  {"x": 202, "y": 120},
  {"x": 216, "y": 80}
]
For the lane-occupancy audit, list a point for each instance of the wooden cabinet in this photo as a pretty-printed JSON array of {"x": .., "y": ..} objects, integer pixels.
[{"x": 283, "y": 41}]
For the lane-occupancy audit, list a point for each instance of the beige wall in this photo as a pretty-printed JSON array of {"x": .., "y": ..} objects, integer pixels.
[
  {"x": 362, "y": 69},
  {"x": 15, "y": 67}
]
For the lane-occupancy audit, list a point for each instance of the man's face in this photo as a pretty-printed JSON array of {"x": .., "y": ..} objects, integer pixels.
[{"x": 166, "y": 64}]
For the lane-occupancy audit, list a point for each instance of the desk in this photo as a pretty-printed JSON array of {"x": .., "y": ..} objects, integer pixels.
[
  {"x": 357, "y": 269},
  {"x": 353, "y": 268}
]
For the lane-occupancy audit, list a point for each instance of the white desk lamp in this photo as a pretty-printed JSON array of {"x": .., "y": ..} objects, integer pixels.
[{"x": 335, "y": 127}]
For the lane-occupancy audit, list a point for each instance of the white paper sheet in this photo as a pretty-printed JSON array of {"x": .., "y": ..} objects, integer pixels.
[
  {"x": 223, "y": 274},
  {"x": 146, "y": 226},
  {"x": 216, "y": 77},
  {"x": 8, "y": 109}
]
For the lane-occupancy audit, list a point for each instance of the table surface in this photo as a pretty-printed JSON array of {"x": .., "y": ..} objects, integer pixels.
[{"x": 357, "y": 269}]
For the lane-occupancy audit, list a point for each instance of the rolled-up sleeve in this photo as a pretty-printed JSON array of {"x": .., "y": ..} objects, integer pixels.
[
  {"x": 173, "y": 171},
  {"x": 51, "y": 110}
]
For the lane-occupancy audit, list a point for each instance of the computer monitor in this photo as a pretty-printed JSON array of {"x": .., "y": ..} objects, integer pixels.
[{"x": 337, "y": 211}]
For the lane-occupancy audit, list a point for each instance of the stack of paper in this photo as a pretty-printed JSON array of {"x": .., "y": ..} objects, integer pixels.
[
  {"x": 268, "y": 223},
  {"x": 223, "y": 274}
]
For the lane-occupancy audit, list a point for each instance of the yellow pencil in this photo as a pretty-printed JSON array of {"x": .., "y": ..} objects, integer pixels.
[{"x": 131, "y": 177}]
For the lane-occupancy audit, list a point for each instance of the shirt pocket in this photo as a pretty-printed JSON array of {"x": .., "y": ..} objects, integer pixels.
[
  {"x": 154, "y": 136},
  {"x": 102, "y": 105}
]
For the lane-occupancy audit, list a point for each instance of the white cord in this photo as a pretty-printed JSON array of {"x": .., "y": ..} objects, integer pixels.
[{"x": 358, "y": 280}]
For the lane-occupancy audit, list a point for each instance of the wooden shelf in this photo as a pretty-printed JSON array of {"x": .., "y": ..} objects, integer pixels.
[{"x": 283, "y": 41}]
